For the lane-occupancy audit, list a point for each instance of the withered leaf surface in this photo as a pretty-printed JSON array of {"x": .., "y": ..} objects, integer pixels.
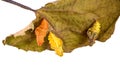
[{"x": 70, "y": 20}]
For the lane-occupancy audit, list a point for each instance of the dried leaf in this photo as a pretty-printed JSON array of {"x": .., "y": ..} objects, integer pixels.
[
  {"x": 71, "y": 19},
  {"x": 41, "y": 32},
  {"x": 56, "y": 44}
]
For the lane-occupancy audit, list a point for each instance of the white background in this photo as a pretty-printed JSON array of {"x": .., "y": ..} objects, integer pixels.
[{"x": 100, "y": 60}]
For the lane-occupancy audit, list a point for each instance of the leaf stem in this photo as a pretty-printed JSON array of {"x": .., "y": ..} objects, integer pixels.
[{"x": 19, "y": 4}]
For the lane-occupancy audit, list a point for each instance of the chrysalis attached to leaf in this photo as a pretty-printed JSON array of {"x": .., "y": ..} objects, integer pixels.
[
  {"x": 41, "y": 32},
  {"x": 56, "y": 44},
  {"x": 93, "y": 32}
]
